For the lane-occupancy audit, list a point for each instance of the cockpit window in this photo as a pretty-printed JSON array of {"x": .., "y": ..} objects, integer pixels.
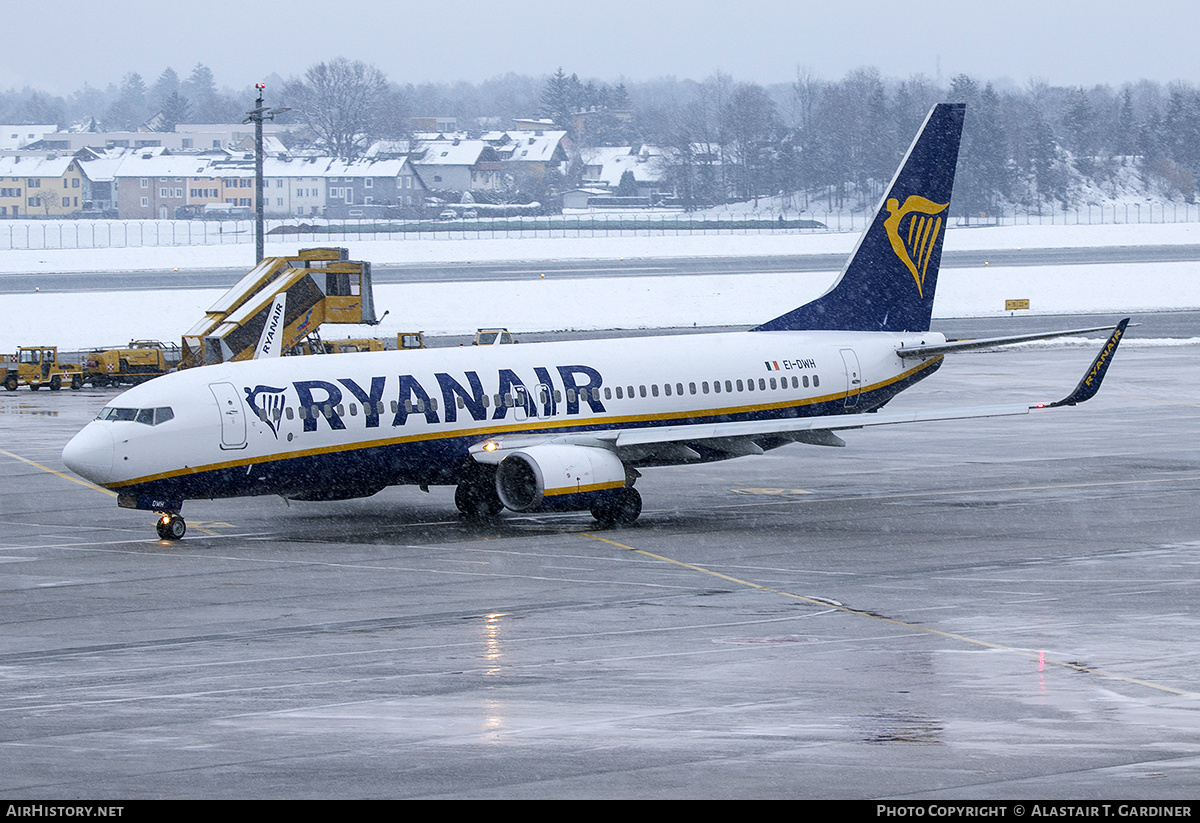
[{"x": 148, "y": 417}]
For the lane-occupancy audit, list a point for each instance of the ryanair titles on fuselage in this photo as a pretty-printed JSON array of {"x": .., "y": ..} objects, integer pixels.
[{"x": 320, "y": 399}]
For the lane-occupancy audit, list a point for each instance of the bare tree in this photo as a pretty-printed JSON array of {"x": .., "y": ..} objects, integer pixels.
[
  {"x": 49, "y": 199},
  {"x": 342, "y": 101},
  {"x": 805, "y": 94}
]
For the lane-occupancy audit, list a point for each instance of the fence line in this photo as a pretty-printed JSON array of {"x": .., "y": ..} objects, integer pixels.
[{"x": 100, "y": 234}]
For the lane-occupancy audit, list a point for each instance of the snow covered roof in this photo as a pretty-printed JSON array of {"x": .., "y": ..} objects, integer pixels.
[
  {"x": 100, "y": 165},
  {"x": 536, "y": 146},
  {"x": 454, "y": 153},
  {"x": 16, "y": 137},
  {"x": 367, "y": 168},
  {"x": 606, "y": 164},
  {"x": 143, "y": 163},
  {"x": 38, "y": 165},
  {"x": 390, "y": 148},
  {"x": 147, "y": 163}
]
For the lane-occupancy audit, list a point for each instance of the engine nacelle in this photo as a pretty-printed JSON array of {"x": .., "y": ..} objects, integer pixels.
[{"x": 559, "y": 477}]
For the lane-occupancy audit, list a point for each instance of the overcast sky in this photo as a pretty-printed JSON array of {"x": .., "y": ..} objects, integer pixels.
[{"x": 59, "y": 46}]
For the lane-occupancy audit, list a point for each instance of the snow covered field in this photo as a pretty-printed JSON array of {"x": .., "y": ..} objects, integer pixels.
[{"x": 74, "y": 321}]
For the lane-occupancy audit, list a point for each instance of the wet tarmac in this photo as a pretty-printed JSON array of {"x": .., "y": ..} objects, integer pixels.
[{"x": 976, "y": 609}]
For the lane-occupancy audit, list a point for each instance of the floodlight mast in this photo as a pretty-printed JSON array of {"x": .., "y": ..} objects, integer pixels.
[{"x": 256, "y": 117}]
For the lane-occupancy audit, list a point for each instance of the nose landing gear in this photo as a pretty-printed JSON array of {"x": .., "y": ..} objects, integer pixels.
[{"x": 171, "y": 527}]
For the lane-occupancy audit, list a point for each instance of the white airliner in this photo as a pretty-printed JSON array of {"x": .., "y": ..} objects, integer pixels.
[{"x": 559, "y": 425}]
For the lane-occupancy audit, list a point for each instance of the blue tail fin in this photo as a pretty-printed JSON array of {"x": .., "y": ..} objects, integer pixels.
[{"x": 889, "y": 282}]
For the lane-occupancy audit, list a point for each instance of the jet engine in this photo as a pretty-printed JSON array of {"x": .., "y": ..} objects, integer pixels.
[{"x": 560, "y": 477}]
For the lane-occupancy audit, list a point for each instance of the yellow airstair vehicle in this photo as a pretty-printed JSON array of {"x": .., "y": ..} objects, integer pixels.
[{"x": 321, "y": 286}]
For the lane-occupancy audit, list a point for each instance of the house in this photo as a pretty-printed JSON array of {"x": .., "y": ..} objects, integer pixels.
[
  {"x": 13, "y": 138},
  {"x": 531, "y": 154},
  {"x": 457, "y": 165},
  {"x": 295, "y": 186},
  {"x": 434, "y": 124},
  {"x": 195, "y": 137},
  {"x": 153, "y": 183},
  {"x": 99, "y": 196},
  {"x": 373, "y": 188},
  {"x": 37, "y": 184},
  {"x": 604, "y": 166}
]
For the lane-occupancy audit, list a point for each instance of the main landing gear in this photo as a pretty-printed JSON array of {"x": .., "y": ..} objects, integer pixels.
[
  {"x": 622, "y": 511},
  {"x": 477, "y": 497},
  {"x": 171, "y": 527}
]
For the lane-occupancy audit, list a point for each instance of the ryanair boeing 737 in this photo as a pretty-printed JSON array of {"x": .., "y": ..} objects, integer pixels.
[{"x": 560, "y": 426}]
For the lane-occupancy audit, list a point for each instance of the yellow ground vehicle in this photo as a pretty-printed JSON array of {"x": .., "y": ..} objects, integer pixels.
[
  {"x": 138, "y": 362},
  {"x": 353, "y": 345},
  {"x": 410, "y": 340},
  {"x": 37, "y": 366},
  {"x": 313, "y": 344},
  {"x": 492, "y": 337}
]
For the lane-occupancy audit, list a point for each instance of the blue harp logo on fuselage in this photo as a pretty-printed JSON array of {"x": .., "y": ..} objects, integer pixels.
[{"x": 913, "y": 230}]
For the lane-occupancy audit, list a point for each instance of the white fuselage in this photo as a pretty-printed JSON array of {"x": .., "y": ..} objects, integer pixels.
[{"x": 287, "y": 425}]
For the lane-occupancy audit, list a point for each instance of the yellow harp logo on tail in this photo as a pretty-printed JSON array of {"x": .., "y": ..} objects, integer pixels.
[{"x": 920, "y": 234}]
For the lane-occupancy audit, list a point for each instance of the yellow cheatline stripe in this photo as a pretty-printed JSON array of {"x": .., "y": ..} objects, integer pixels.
[
  {"x": 912, "y": 626},
  {"x": 579, "y": 489},
  {"x": 63, "y": 475},
  {"x": 525, "y": 427}
]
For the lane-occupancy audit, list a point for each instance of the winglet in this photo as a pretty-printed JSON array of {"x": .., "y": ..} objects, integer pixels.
[
  {"x": 1090, "y": 384},
  {"x": 268, "y": 343}
]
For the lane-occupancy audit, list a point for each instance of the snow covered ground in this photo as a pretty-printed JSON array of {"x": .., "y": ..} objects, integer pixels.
[{"x": 74, "y": 321}]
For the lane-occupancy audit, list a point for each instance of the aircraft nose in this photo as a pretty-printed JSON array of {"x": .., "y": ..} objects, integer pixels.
[{"x": 90, "y": 453}]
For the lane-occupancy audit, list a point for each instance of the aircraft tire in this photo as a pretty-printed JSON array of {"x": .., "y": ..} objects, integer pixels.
[
  {"x": 171, "y": 527},
  {"x": 478, "y": 499},
  {"x": 623, "y": 511}
]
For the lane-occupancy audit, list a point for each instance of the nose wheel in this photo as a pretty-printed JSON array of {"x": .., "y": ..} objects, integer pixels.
[{"x": 171, "y": 527}]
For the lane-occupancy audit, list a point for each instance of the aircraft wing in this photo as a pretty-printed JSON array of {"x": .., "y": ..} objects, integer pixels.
[{"x": 669, "y": 444}]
